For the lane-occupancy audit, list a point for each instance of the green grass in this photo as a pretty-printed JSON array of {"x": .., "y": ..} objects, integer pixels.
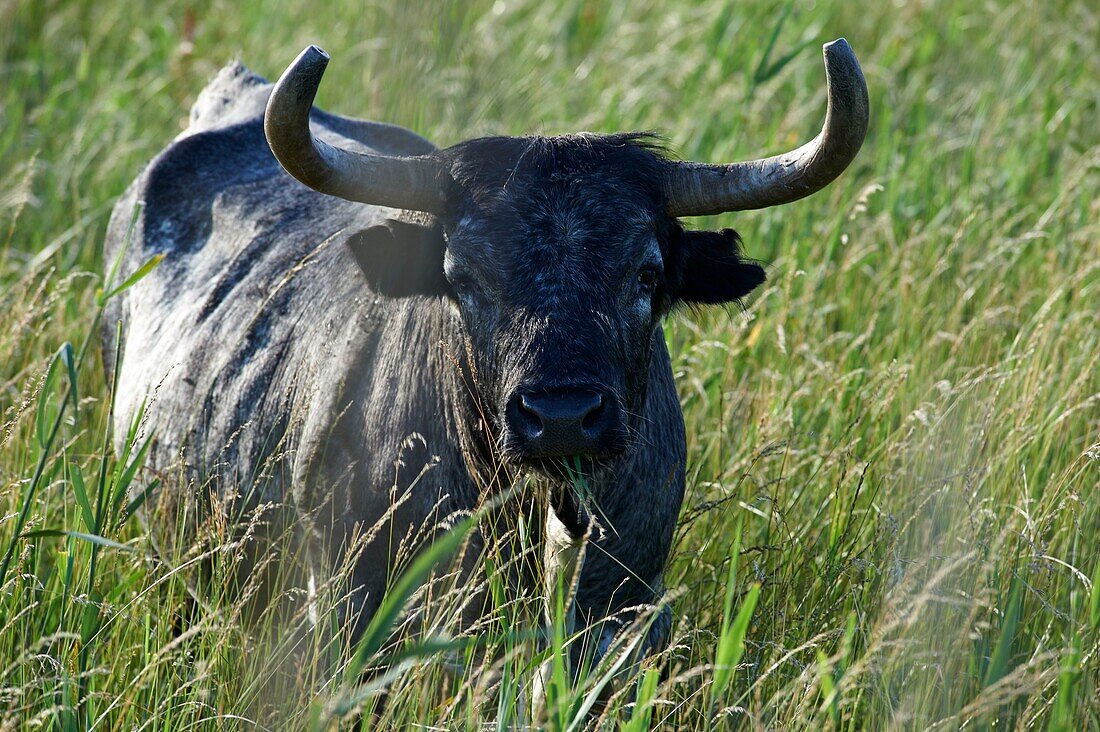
[{"x": 903, "y": 425}]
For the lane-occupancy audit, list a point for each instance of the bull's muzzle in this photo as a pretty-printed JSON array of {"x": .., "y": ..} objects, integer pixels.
[{"x": 563, "y": 422}]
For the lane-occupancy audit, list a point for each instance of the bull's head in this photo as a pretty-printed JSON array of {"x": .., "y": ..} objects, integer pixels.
[{"x": 561, "y": 254}]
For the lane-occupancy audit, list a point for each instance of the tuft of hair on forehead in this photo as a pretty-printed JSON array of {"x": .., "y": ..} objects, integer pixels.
[{"x": 485, "y": 165}]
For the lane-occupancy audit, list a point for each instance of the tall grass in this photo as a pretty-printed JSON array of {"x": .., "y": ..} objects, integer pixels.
[{"x": 903, "y": 425}]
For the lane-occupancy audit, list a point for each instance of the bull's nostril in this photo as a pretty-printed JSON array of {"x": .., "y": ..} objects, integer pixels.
[
  {"x": 529, "y": 418},
  {"x": 594, "y": 417}
]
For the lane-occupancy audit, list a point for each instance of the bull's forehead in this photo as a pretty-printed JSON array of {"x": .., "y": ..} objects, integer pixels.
[{"x": 553, "y": 238}]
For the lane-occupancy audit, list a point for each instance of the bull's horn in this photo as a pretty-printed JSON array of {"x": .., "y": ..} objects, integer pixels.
[
  {"x": 699, "y": 189},
  {"x": 415, "y": 182}
]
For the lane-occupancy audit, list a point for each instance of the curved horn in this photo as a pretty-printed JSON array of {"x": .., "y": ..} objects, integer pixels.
[
  {"x": 416, "y": 183},
  {"x": 699, "y": 189}
]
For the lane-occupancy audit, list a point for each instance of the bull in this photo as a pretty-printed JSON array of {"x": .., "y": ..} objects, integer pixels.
[{"x": 440, "y": 321}]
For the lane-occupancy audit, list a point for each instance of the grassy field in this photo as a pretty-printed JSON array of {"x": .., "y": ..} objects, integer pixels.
[{"x": 904, "y": 424}]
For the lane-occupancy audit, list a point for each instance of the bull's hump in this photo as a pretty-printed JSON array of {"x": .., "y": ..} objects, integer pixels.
[
  {"x": 223, "y": 157},
  {"x": 237, "y": 94}
]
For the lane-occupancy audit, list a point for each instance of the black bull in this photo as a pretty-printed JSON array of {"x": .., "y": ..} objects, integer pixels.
[{"x": 488, "y": 311}]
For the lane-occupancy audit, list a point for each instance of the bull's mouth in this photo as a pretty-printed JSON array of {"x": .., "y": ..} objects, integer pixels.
[
  {"x": 571, "y": 485},
  {"x": 568, "y": 469},
  {"x": 565, "y": 468}
]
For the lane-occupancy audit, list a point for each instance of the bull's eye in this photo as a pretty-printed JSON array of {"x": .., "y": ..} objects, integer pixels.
[
  {"x": 647, "y": 279},
  {"x": 463, "y": 285}
]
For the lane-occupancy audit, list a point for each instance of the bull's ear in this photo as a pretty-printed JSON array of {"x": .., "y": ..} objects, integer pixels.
[
  {"x": 712, "y": 270},
  {"x": 401, "y": 258}
]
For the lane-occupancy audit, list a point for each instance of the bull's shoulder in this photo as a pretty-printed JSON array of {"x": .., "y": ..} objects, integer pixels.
[{"x": 178, "y": 190}]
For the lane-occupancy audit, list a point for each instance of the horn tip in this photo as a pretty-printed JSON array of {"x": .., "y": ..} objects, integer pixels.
[
  {"x": 841, "y": 61},
  {"x": 838, "y": 47},
  {"x": 313, "y": 54}
]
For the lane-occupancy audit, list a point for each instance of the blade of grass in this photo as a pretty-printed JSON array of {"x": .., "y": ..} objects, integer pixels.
[
  {"x": 385, "y": 618},
  {"x": 90, "y": 538},
  {"x": 80, "y": 492}
]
